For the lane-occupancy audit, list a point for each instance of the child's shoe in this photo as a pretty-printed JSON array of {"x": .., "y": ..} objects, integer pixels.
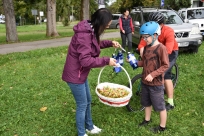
[
  {"x": 158, "y": 129},
  {"x": 144, "y": 123}
]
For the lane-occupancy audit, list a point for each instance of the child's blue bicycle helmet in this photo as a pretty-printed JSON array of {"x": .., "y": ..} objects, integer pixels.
[{"x": 150, "y": 28}]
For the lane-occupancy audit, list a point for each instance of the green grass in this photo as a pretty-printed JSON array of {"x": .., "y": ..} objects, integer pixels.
[
  {"x": 38, "y": 32},
  {"x": 32, "y": 80}
]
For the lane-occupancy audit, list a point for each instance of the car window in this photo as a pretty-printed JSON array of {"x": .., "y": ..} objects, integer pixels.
[
  {"x": 146, "y": 15},
  {"x": 195, "y": 14},
  {"x": 172, "y": 18},
  {"x": 183, "y": 13},
  {"x": 137, "y": 17},
  {"x": 115, "y": 17}
]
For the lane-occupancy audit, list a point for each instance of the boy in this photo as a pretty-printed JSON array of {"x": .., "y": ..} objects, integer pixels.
[{"x": 154, "y": 62}]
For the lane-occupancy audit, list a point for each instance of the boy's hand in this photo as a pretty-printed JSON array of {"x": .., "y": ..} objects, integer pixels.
[{"x": 149, "y": 78}]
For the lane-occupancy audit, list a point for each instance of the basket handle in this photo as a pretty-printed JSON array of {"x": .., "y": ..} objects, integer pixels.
[{"x": 99, "y": 76}]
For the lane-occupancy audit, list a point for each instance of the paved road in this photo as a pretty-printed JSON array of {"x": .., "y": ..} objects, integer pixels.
[{"x": 26, "y": 46}]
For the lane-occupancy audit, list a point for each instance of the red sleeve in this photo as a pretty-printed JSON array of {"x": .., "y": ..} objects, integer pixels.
[
  {"x": 120, "y": 22},
  {"x": 131, "y": 25},
  {"x": 142, "y": 44},
  {"x": 169, "y": 41}
]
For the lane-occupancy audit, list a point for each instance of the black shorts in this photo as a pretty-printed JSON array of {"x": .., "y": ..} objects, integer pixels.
[
  {"x": 172, "y": 60},
  {"x": 153, "y": 95}
]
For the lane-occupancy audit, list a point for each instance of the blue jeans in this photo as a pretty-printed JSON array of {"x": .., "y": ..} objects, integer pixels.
[{"x": 82, "y": 96}]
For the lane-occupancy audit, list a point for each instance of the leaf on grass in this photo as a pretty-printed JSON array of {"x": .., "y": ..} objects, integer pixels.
[
  {"x": 43, "y": 109},
  {"x": 73, "y": 110},
  {"x": 203, "y": 124},
  {"x": 187, "y": 113},
  {"x": 11, "y": 87}
]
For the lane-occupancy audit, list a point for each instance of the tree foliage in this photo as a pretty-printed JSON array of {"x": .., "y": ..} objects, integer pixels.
[
  {"x": 174, "y": 4},
  {"x": 177, "y": 4}
]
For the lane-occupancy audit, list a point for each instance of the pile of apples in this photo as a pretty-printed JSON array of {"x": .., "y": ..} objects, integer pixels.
[{"x": 113, "y": 92}]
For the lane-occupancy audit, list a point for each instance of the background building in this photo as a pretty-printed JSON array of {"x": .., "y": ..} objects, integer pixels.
[{"x": 197, "y": 3}]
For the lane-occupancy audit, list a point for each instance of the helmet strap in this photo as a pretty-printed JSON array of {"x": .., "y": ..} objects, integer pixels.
[{"x": 153, "y": 39}]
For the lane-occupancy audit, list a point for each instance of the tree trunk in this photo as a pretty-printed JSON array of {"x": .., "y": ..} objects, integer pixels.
[
  {"x": 84, "y": 9},
  {"x": 11, "y": 32},
  {"x": 51, "y": 18}
]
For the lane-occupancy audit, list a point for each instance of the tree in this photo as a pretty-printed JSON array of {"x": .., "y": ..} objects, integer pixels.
[
  {"x": 84, "y": 9},
  {"x": 177, "y": 4},
  {"x": 63, "y": 10},
  {"x": 51, "y": 18},
  {"x": 20, "y": 11},
  {"x": 11, "y": 32}
]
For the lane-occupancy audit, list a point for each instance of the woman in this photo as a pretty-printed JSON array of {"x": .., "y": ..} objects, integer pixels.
[
  {"x": 126, "y": 29},
  {"x": 83, "y": 55}
]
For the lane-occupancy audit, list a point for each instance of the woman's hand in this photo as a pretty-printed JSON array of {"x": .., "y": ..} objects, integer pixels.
[
  {"x": 116, "y": 44},
  {"x": 112, "y": 62}
]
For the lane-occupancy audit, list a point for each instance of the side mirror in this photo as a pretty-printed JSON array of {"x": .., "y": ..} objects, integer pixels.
[
  {"x": 137, "y": 23},
  {"x": 186, "y": 21}
]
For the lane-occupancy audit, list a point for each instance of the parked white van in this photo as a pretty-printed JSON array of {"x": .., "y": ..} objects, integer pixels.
[{"x": 194, "y": 15}]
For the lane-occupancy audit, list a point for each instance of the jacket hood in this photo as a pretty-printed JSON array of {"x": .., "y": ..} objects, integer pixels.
[{"x": 83, "y": 26}]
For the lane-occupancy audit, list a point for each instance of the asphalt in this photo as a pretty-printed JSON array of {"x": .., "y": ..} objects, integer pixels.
[{"x": 27, "y": 46}]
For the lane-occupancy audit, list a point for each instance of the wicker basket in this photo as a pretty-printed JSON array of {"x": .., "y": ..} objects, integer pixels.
[{"x": 115, "y": 102}]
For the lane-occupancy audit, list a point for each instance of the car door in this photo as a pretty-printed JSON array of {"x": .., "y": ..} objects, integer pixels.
[
  {"x": 137, "y": 20},
  {"x": 115, "y": 21}
]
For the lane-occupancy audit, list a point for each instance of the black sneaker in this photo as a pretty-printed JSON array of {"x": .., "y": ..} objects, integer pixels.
[
  {"x": 169, "y": 107},
  {"x": 157, "y": 129},
  {"x": 144, "y": 123}
]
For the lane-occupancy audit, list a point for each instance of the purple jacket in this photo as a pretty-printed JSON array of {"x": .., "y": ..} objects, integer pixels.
[{"x": 83, "y": 54}]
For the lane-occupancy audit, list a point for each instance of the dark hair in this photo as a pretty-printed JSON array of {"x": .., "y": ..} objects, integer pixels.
[
  {"x": 100, "y": 20},
  {"x": 124, "y": 10},
  {"x": 157, "y": 17}
]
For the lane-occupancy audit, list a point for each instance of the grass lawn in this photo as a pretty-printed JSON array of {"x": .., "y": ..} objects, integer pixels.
[
  {"x": 38, "y": 32},
  {"x": 32, "y": 80}
]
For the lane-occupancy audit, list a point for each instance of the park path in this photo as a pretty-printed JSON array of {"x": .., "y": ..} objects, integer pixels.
[{"x": 27, "y": 46}]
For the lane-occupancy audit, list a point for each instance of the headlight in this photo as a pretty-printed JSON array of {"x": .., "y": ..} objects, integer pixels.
[{"x": 195, "y": 29}]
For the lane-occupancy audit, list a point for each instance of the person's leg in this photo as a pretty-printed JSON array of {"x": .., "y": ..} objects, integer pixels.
[
  {"x": 162, "y": 126},
  {"x": 168, "y": 82},
  {"x": 146, "y": 102},
  {"x": 163, "y": 118},
  {"x": 169, "y": 90},
  {"x": 123, "y": 36},
  {"x": 158, "y": 102},
  {"x": 129, "y": 37},
  {"x": 88, "y": 116},
  {"x": 148, "y": 111},
  {"x": 80, "y": 96},
  {"x": 91, "y": 128}
]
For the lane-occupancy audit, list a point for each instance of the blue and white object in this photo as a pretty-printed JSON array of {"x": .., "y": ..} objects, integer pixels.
[
  {"x": 132, "y": 60},
  {"x": 120, "y": 57}
]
